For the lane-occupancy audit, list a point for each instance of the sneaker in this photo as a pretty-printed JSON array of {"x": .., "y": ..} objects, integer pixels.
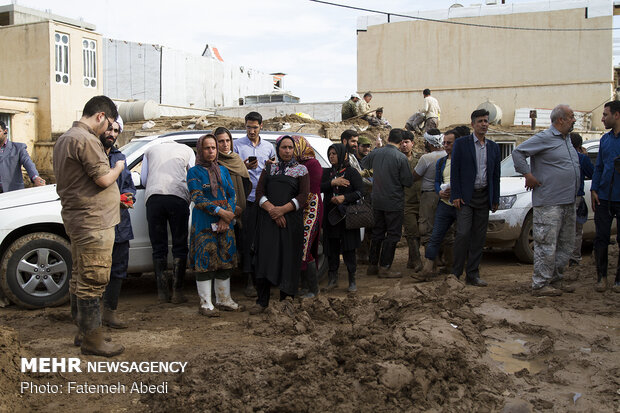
[{"x": 546, "y": 291}]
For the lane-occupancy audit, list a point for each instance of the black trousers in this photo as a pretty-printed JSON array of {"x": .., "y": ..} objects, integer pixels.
[
  {"x": 388, "y": 225},
  {"x": 249, "y": 219},
  {"x": 164, "y": 210},
  {"x": 471, "y": 234},
  {"x": 333, "y": 256},
  {"x": 603, "y": 217}
]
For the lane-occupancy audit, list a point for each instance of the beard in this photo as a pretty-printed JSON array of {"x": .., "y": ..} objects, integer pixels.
[{"x": 107, "y": 144}]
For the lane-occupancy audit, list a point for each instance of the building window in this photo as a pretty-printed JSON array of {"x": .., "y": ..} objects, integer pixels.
[
  {"x": 89, "y": 58},
  {"x": 61, "y": 41},
  {"x": 505, "y": 148}
]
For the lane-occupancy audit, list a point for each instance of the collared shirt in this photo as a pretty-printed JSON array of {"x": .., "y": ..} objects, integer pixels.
[
  {"x": 263, "y": 151},
  {"x": 79, "y": 160},
  {"x": 164, "y": 169},
  {"x": 554, "y": 162},
  {"x": 426, "y": 169},
  {"x": 481, "y": 163},
  {"x": 609, "y": 148},
  {"x": 390, "y": 174},
  {"x": 431, "y": 108}
]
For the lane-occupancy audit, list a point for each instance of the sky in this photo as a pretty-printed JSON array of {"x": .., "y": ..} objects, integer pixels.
[{"x": 314, "y": 44}]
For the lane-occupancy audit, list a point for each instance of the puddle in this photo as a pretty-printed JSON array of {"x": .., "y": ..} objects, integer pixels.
[{"x": 503, "y": 351}]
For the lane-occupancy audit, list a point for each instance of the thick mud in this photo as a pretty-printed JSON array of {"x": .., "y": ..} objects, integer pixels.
[{"x": 438, "y": 346}]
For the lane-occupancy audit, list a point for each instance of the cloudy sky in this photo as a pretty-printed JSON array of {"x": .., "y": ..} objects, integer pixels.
[{"x": 314, "y": 44}]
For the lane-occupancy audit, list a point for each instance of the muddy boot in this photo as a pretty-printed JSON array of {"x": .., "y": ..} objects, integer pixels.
[
  {"x": 249, "y": 290},
  {"x": 387, "y": 256},
  {"x": 163, "y": 290},
  {"x": 373, "y": 258},
  {"x": 414, "y": 262},
  {"x": 77, "y": 340},
  {"x": 223, "y": 300},
  {"x": 111, "y": 319},
  {"x": 332, "y": 280},
  {"x": 178, "y": 278},
  {"x": 429, "y": 269},
  {"x": 89, "y": 319},
  {"x": 206, "y": 307},
  {"x": 601, "y": 285},
  {"x": 386, "y": 272},
  {"x": 312, "y": 276},
  {"x": 352, "y": 286}
]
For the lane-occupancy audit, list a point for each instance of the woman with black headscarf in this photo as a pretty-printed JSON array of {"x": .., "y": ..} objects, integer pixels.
[
  {"x": 282, "y": 193},
  {"x": 342, "y": 185}
]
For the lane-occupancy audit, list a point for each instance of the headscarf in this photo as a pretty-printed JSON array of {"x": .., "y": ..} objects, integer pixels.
[
  {"x": 341, "y": 153},
  {"x": 213, "y": 168},
  {"x": 282, "y": 165},
  {"x": 231, "y": 161},
  {"x": 303, "y": 151},
  {"x": 434, "y": 140}
]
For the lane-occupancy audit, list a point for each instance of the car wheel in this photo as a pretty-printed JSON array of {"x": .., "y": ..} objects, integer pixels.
[
  {"x": 37, "y": 269},
  {"x": 524, "y": 248}
]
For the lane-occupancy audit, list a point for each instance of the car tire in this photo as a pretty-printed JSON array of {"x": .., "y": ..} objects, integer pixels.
[
  {"x": 36, "y": 270},
  {"x": 524, "y": 248}
]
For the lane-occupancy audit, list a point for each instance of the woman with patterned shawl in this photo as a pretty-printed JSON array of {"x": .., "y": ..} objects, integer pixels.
[
  {"x": 212, "y": 249},
  {"x": 282, "y": 193},
  {"x": 313, "y": 216}
]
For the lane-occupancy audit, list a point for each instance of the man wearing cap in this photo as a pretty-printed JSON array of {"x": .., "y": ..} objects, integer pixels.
[
  {"x": 350, "y": 109},
  {"x": 14, "y": 155},
  {"x": 364, "y": 146},
  {"x": 474, "y": 190},
  {"x": 122, "y": 231},
  {"x": 425, "y": 170}
]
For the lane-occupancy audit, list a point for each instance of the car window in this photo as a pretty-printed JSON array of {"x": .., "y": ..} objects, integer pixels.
[
  {"x": 593, "y": 153},
  {"x": 131, "y": 147},
  {"x": 507, "y": 167}
]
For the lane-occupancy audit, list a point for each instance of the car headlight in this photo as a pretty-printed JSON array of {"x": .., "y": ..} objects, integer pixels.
[{"x": 506, "y": 202}]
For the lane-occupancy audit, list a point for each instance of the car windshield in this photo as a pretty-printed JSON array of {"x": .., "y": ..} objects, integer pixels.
[
  {"x": 508, "y": 167},
  {"x": 132, "y": 146}
]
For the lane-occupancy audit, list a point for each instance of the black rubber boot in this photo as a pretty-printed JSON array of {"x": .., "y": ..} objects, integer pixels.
[
  {"x": 373, "y": 258},
  {"x": 163, "y": 288},
  {"x": 312, "y": 278},
  {"x": 89, "y": 320},
  {"x": 332, "y": 280},
  {"x": 352, "y": 286},
  {"x": 77, "y": 340},
  {"x": 250, "y": 290},
  {"x": 178, "y": 278},
  {"x": 601, "y": 264},
  {"x": 414, "y": 262}
]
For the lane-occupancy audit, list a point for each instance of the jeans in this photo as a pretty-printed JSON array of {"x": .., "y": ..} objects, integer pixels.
[{"x": 444, "y": 218}]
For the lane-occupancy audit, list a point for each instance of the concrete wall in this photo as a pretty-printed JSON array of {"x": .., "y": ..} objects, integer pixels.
[
  {"x": 323, "y": 111},
  {"x": 465, "y": 66}
]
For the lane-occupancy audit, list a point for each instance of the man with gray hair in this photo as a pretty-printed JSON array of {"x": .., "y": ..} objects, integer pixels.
[{"x": 553, "y": 177}]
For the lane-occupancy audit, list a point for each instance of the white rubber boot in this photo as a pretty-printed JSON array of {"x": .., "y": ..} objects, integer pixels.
[
  {"x": 204, "y": 292},
  {"x": 223, "y": 300}
]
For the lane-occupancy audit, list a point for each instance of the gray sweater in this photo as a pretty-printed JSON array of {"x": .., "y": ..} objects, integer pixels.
[{"x": 554, "y": 162}]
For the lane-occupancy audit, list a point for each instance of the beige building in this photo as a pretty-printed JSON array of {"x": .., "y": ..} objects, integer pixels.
[
  {"x": 465, "y": 66},
  {"x": 53, "y": 65}
]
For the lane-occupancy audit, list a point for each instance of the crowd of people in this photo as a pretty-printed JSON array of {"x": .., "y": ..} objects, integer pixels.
[{"x": 260, "y": 209}]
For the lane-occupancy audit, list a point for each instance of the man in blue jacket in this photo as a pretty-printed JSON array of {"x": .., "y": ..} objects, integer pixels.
[
  {"x": 474, "y": 189},
  {"x": 605, "y": 192},
  {"x": 14, "y": 155},
  {"x": 122, "y": 231}
]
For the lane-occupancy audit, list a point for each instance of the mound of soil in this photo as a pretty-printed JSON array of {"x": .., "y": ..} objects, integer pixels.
[
  {"x": 394, "y": 352},
  {"x": 10, "y": 372}
]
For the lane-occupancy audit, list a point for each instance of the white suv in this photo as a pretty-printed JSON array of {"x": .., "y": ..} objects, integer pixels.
[{"x": 35, "y": 257}]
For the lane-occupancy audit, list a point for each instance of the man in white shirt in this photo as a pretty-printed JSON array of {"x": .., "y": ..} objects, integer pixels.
[{"x": 430, "y": 111}]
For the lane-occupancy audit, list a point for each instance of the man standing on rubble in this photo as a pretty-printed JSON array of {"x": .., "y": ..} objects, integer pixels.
[
  {"x": 90, "y": 209},
  {"x": 430, "y": 111},
  {"x": 553, "y": 176}
]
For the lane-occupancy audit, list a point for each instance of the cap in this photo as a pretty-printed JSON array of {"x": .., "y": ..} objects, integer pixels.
[
  {"x": 363, "y": 140},
  {"x": 355, "y": 95}
]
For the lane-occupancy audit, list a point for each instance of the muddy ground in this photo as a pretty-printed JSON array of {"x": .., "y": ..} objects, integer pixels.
[{"x": 393, "y": 346}]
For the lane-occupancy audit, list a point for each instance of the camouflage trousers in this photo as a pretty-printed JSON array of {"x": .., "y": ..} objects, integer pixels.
[{"x": 554, "y": 240}]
